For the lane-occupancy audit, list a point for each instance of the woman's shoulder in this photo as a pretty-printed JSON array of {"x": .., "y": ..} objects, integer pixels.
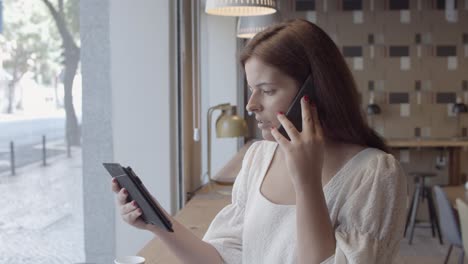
[
  {"x": 380, "y": 160},
  {"x": 371, "y": 165},
  {"x": 373, "y": 158},
  {"x": 377, "y": 165}
]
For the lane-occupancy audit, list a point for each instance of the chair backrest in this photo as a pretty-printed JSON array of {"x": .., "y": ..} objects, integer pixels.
[
  {"x": 447, "y": 219},
  {"x": 463, "y": 214}
]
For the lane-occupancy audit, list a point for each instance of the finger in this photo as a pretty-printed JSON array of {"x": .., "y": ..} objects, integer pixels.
[
  {"x": 115, "y": 186},
  {"x": 315, "y": 118},
  {"x": 132, "y": 216},
  {"x": 128, "y": 207},
  {"x": 307, "y": 122},
  {"x": 282, "y": 141},
  {"x": 122, "y": 196},
  {"x": 288, "y": 126}
]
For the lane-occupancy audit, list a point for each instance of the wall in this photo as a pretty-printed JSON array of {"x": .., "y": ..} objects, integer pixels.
[
  {"x": 142, "y": 62},
  {"x": 128, "y": 114},
  {"x": 99, "y": 220}
]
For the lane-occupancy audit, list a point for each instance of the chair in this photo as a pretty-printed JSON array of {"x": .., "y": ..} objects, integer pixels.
[
  {"x": 463, "y": 215},
  {"x": 448, "y": 223},
  {"x": 421, "y": 192}
]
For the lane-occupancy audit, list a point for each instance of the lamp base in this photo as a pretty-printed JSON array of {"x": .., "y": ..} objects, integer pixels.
[
  {"x": 222, "y": 183},
  {"x": 220, "y": 189}
]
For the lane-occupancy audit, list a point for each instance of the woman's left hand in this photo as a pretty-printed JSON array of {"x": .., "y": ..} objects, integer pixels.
[{"x": 304, "y": 153}]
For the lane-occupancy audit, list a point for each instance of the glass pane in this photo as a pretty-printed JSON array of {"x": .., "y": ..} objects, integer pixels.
[{"x": 41, "y": 210}]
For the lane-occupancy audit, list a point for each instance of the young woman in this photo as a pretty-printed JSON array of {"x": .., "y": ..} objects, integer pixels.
[{"x": 330, "y": 194}]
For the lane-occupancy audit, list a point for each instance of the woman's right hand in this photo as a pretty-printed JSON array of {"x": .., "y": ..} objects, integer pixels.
[
  {"x": 129, "y": 211},
  {"x": 182, "y": 242}
]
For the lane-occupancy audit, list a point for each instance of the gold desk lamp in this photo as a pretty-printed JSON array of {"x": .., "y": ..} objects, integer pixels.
[{"x": 228, "y": 125}]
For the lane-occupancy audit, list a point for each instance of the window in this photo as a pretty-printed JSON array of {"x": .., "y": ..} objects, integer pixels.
[{"x": 41, "y": 212}]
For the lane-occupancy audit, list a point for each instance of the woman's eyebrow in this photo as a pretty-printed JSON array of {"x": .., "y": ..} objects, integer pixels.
[{"x": 262, "y": 84}]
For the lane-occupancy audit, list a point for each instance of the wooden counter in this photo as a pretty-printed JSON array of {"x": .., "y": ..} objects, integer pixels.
[
  {"x": 196, "y": 215},
  {"x": 427, "y": 143},
  {"x": 454, "y": 147}
]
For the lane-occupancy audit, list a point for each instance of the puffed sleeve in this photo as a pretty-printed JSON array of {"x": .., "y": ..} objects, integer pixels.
[
  {"x": 371, "y": 222},
  {"x": 225, "y": 231}
]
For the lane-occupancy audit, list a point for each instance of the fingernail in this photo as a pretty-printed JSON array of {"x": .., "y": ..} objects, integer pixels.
[
  {"x": 113, "y": 180},
  {"x": 139, "y": 210},
  {"x": 280, "y": 113},
  {"x": 313, "y": 104},
  {"x": 134, "y": 203},
  {"x": 306, "y": 98},
  {"x": 125, "y": 191}
]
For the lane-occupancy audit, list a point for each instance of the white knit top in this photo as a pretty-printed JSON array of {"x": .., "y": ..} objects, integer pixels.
[{"x": 366, "y": 201}]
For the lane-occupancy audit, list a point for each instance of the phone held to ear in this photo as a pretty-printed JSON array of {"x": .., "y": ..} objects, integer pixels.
[{"x": 294, "y": 111}]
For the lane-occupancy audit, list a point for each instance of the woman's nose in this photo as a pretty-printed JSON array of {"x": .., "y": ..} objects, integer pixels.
[{"x": 253, "y": 105}]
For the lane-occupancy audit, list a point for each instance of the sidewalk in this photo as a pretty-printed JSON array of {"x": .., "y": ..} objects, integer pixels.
[{"x": 41, "y": 212}]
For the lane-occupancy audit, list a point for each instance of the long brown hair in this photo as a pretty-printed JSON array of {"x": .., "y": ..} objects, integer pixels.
[{"x": 299, "y": 48}]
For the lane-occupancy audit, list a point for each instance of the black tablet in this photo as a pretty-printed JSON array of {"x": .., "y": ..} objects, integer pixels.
[{"x": 151, "y": 212}]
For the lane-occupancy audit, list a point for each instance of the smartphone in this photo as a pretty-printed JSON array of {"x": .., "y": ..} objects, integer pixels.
[
  {"x": 152, "y": 213},
  {"x": 294, "y": 111}
]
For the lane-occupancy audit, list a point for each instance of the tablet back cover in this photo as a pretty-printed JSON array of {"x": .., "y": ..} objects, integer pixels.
[{"x": 134, "y": 193}]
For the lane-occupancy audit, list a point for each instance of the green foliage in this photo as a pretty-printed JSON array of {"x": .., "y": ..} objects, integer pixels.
[
  {"x": 72, "y": 18},
  {"x": 31, "y": 42}
]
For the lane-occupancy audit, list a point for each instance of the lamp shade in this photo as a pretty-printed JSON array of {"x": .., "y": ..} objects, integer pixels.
[
  {"x": 373, "y": 109},
  {"x": 247, "y": 27},
  {"x": 230, "y": 126},
  {"x": 459, "y": 108},
  {"x": 240, "y": 7}
]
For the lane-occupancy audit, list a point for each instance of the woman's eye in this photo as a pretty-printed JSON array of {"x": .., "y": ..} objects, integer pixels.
[{"x": 268, "y": 92}]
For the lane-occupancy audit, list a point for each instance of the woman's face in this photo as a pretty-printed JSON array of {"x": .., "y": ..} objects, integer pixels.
[{"x": 271, "y": 92}]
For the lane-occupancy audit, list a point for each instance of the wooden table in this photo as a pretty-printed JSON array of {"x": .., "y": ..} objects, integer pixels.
[
  {"x": 196, "y": 215},
  {"x": 454, "y": 147}
]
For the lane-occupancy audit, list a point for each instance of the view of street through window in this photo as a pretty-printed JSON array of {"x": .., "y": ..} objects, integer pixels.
[{"x": 41, "y": 210}]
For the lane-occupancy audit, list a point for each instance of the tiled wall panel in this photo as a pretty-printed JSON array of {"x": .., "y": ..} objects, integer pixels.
[{"x": 422, "y": 74}]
